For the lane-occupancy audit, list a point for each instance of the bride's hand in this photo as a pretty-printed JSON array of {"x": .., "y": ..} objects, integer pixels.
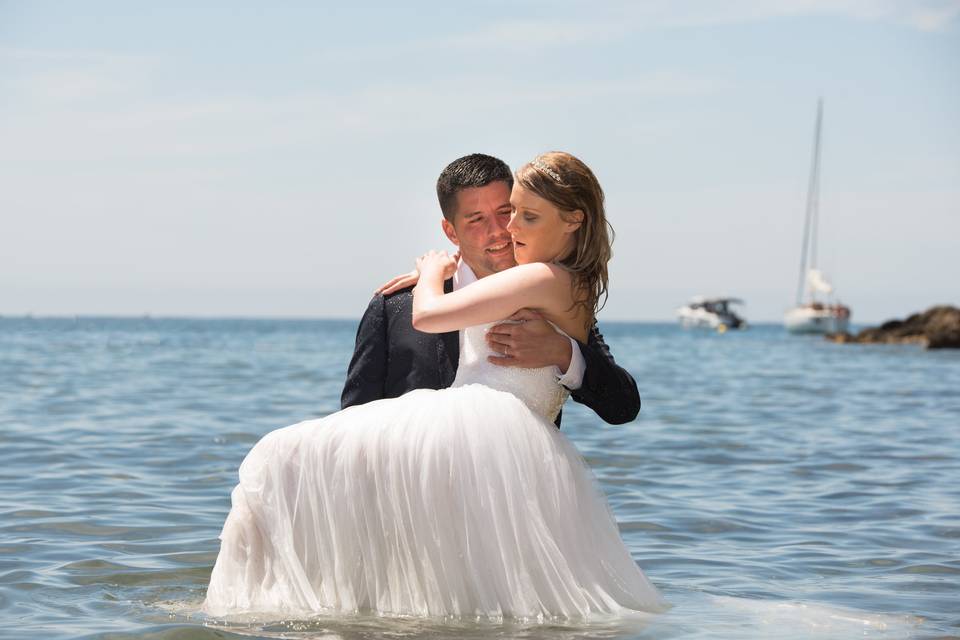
[
  {"x": 438, "y": 261},
  {"x": 408, "y": 279}
]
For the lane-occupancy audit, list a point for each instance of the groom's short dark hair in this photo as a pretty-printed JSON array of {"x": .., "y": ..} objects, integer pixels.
[{"x": 474, "y": 170}]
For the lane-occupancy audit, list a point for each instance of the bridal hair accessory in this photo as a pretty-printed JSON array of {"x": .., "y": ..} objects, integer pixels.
[{"x": 537, "y": 163}]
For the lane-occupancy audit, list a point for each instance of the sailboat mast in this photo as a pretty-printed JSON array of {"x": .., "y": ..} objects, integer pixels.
[
  {"x": 813, "y": 200},
  {"x": 815, "y": 195}
]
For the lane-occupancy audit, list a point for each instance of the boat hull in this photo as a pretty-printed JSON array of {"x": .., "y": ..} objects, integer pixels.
[
  {"x": 700, "y": 319},
  {"x": 818, "y": 321}
]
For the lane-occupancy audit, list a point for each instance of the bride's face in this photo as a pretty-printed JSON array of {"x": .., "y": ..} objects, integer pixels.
[{"x": 539, "y": 232}]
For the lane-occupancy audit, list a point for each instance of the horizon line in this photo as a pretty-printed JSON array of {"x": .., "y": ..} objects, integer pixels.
[{"x": 306, "y": 318}]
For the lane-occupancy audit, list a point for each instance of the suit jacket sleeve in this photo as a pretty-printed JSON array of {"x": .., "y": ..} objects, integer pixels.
[
  {"x": 367, "y": 373},
  {"x": 607, "y": 388}
]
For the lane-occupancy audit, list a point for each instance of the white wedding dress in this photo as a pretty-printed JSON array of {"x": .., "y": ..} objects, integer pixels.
[{"x": 466, "y": 501}]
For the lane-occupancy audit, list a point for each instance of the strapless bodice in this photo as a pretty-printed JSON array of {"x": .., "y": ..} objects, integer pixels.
[{"x": 537, "y": 388}]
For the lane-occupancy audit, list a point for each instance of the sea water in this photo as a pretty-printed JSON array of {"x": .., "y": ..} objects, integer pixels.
[{"x": 773, "y": 486}]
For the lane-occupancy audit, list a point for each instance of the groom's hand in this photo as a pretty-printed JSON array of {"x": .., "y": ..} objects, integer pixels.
[
  {"x": 396, "y": 283},
  {"x": 404, "y": 280},
  {"x": 530, "y": 343}
]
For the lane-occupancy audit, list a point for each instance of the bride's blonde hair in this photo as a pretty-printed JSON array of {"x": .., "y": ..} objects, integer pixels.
[{"x": 570, "y": 185}]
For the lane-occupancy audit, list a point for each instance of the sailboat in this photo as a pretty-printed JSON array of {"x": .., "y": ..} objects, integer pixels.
[{"x": 816, "y": 310}]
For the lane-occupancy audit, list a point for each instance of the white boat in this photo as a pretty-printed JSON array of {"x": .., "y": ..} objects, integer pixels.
[
  {"x": 711, "y": 313},
  {"x": 817, "y": 318},
  {"x": 816, "y": 309}
]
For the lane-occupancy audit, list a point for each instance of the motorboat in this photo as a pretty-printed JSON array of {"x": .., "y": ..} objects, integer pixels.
[
  {"x": 711, "y": 313},
  {"x": 816, "y": 309}
]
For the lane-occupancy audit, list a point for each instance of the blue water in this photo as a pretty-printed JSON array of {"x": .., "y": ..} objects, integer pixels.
[{"x": 773, "y": 486}]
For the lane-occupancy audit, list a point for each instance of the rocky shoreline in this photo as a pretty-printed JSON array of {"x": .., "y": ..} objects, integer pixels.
[{"x": 936, "y": 328}]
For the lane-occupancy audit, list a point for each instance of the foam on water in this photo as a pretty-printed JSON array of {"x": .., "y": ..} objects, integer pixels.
[
  {"x": 807, "y": 620},
  {"x": 726, "y": 616}
]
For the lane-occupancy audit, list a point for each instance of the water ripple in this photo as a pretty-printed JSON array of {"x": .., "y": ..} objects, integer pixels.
[{"x": 773, "y": 487}]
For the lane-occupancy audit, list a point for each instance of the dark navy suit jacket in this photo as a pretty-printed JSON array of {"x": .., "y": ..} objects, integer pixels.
[{"x": 391, "y": 358}]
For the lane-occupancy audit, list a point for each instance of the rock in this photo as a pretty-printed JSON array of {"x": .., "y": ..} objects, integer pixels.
[
  {"x": 841, "y": 338},
  {"x": 943, "y": 329},
  {"x": 936, "y": 328}
]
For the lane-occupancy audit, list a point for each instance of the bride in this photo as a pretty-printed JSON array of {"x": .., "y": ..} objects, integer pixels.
[{"x": 466, "y": 501}]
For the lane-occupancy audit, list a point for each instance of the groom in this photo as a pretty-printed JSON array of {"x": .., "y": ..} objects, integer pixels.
[{"x": 391, "y": 357}]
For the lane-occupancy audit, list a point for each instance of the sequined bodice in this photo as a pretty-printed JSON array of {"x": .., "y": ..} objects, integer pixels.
[{"x": 537, "y": 388}]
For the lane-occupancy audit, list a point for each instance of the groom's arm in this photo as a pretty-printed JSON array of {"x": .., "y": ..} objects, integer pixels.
[
  {"x": 367, "y": 373},
  {"x": 587, "y": 369},
  {"x": 607, "y": 388}
]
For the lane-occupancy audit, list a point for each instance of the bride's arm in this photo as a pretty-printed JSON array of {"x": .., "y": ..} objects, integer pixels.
[{"x": 536, "y": 286}]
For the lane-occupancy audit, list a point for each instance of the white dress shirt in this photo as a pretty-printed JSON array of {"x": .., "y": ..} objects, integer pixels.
[{"x": 573, "y": 378}]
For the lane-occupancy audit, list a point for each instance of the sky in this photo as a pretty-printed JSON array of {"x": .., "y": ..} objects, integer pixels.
[{"x": 279, "y": 159}]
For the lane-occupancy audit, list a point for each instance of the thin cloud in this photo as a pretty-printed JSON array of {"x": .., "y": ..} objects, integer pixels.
[
  {"x": 520, "y": 34},
  {"x": 602, "y": 24},
  {"x": 50, "y": 75},
  {"x": 934, "y": 19},
  {"x": 215, "y": 125},
  {"x": 924, "y": 15},
  {"x": 610, "y": 23}
]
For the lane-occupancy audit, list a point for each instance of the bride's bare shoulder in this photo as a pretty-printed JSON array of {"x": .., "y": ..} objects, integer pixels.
[{"x": 542, "y": 271}]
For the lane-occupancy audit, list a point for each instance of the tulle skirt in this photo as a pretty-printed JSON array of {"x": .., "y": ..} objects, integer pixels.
[{"x": 459, "y": 502}]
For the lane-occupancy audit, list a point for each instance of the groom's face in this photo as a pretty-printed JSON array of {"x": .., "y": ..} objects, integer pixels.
[{"x": 479, "y": 228}]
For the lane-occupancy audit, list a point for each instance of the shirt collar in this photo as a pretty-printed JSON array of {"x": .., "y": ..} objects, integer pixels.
[{"x": 463, "y": 276}]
